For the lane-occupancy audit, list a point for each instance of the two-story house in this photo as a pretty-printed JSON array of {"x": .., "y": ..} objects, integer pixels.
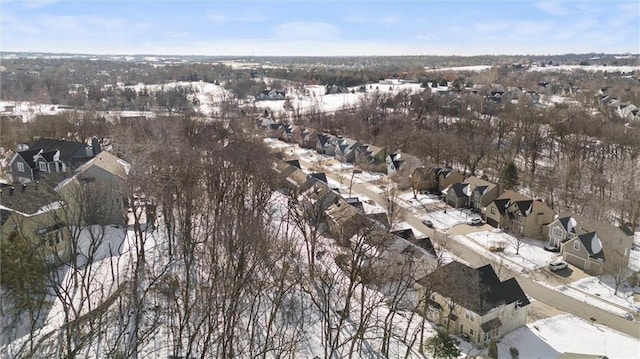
[
  {"x": 473, "y": 192},
  {"x": 472, "y": 302},
  {"x": 94, "y": 194},
  {"x": 589, "y": 244},
  {"x": 517, "y": 213},
  {"x": 35, "y": 212},
  {"x": 50, "y": 156}
]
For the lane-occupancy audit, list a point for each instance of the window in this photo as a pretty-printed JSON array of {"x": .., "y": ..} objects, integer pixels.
[
  {"x": 576, "y": 246},
  {"x": 20, "y": 166},
  {"x": 487, "y": 336},
  {"x": 557, "y": 232},
  {"x": 42, "y": 166},
  {"x": 469, "y": 315},
  {"x": 461, "y": 328},
  {"x": 470, "y": 331},
  {"x": 493, "y": 210}
]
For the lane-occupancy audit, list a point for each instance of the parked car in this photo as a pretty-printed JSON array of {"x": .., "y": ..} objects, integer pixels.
[
  {"x": 557, "y": 265},
  {"x": 427, "y": 223},
  {"x": 472, "y": 221}
]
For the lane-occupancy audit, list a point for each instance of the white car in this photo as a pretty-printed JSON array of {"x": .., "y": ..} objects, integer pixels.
[
  {"x": 472, "y": 221},
  {"x": 557, "y": 265}
]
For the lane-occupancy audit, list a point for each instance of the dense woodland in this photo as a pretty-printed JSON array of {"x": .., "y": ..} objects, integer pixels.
[{"x": 583, "y": 158}]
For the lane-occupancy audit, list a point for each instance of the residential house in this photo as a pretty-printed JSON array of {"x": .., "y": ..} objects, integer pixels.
[
  {"x": 395, "y": 163},
  {"x": 326, "y": 144},
  {"x": 457, "y": 195},
  {"x": 519, "y": 214},
  {"x": 473, "y": 192},
  {"x": 346, "y": 150},
  {"x": 35, "y": 212},
  {"x": 482, "y": 193},
  {"x": 370, "y": 155},
  {"x": 445, "y": 177},
  {"x": 473, "y": 302},
  {"x": 344, "y": 220},
  {"x": 50, "y": 156},
  {"x": 434, "y": 179},
  {"x": 271, "y": 95},
  {"x": 95, "y": 194},
  {"x": 589, "y": 244}
]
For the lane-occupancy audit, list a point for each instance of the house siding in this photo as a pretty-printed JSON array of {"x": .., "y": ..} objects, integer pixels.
[
  {"x": 24, "y": 176},
  {"x": 511, "y": 317}
]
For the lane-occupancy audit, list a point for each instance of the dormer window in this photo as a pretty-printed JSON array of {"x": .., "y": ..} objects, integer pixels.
[{"x": 42, "y": 166}]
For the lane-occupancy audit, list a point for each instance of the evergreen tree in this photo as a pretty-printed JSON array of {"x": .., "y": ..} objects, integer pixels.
[
  {"x": 509, "y": 175},
  {"x": 442, "y": 345}
]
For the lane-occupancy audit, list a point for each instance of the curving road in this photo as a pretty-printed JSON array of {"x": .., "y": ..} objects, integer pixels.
[{"x": 533, "y": 289}]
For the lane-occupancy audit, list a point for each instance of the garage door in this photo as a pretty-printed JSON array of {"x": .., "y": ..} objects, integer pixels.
[
  {"x": 492, "y": 222},
  {"x": 575, "y": 260}
]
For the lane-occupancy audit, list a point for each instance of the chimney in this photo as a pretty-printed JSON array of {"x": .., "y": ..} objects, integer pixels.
[
  {"x": 95, "y": 146},
  {"x": 24, "y": 187}
]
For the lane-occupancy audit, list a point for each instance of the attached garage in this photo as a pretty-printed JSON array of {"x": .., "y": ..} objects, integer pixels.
[
  {"x": 575, "y": 260},
  {"x": 492, "y": 222}
]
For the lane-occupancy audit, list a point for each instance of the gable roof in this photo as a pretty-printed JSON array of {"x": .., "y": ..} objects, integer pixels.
[
  {"x": 513, "y": 196},
  {"x": 67, "y": 148},
  {"x": 592, "y": 245},
  {"x": 478, "y": 290},
  {"x": 108, "y": 162},
  {"x": 49, "y": 156},
  {"x": 502, "y": 205},
  {"x": 477, "y": 182},
  {"x": 321, "y": 177},
  {"x": 605, "y": 230},
  {"x": 28, "y": 198},
  {"x": 27, "y": 156},
  {"x": 461, "y": 190},
  {"x": 404, "y": 233},
  {"x": 525, "y": 208},
  {"x": 294, "y": 163}
]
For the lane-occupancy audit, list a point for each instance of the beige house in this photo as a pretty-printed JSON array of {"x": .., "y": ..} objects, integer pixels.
[
  {"x": 445, "y": 177},
  {"x": 519, "y": 214},
  {"x": 483, "y": 192},
  {"x": 589, "y": 244},
  {"x": 35, "y": 212},
  {"x": 95, "y": 192},
  {"x": 473, "y": 192},
  {"x": 473, "y": 303}
]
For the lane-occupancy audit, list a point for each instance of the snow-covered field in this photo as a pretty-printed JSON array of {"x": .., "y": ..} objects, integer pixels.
[
  {"x": 315, "y": 97},
  {"x": 550, "y": 337},
  {"x": 591, "y": 68}
]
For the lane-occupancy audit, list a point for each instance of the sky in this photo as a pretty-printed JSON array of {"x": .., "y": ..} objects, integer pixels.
[{"x": 320, "y": 28}]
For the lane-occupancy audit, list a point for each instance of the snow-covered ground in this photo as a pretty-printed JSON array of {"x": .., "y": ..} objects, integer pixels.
[
  {"x": 476, "y": 68},
  {"x": 531, "y": 254},
  {"x": 550, "y": 337},
  {"x": 603, "y": 288},
  {"x": 315, "y": 97},
  {"x": 28, "y": 110},
  {"x": 590, "y": 68}
]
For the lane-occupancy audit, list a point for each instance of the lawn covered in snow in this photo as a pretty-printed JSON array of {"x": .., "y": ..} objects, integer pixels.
[{"x": 550, "y": 337}]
